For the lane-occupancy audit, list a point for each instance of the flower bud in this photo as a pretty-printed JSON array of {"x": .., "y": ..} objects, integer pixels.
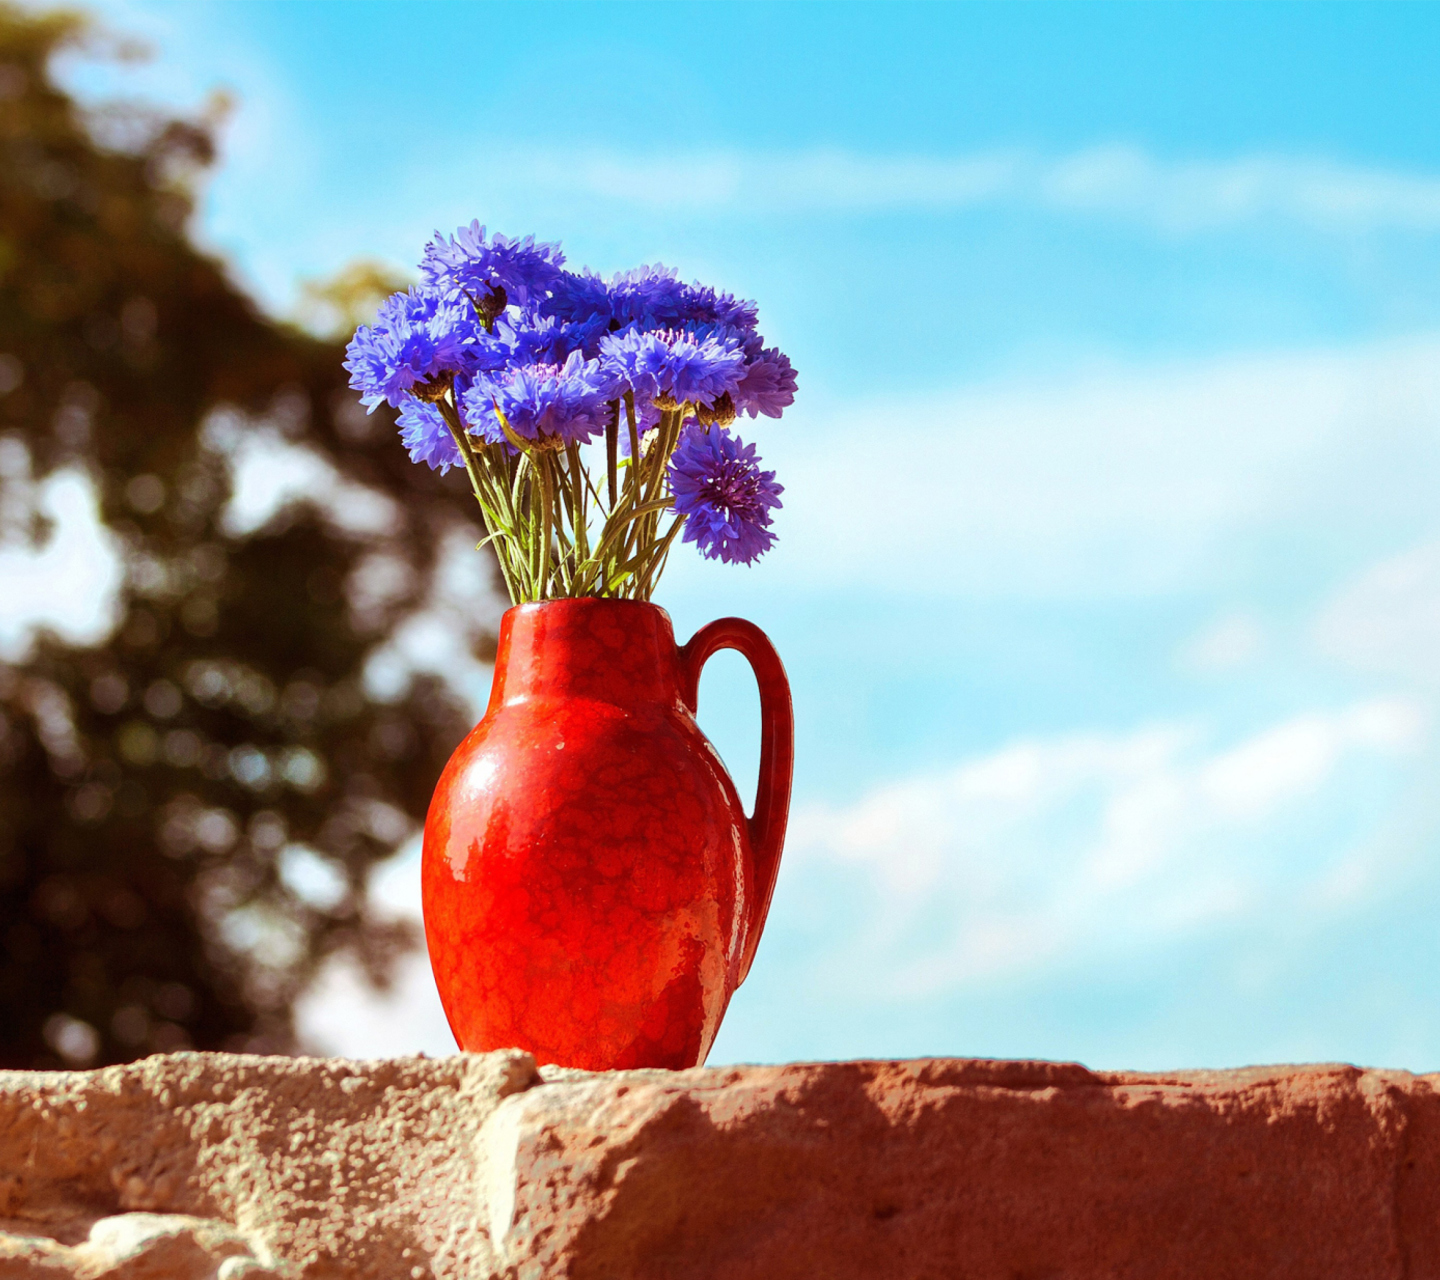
[
  {"x": 721, "y": 413},
  {"x": 434, "y": 389}
]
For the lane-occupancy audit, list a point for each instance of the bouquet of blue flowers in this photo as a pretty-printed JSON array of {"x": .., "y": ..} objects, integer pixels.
[{"x": 504, "y": 363}]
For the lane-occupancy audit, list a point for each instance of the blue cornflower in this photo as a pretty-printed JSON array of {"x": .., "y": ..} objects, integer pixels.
[
  {"x": 569, "y": 400},
  {"x": 650, "y": 297},
  {"x": 424, "y": 433},
  {"x": 417, "y": 336},
  {"x": 546, "y": 340},
  {"x": 724, "y": 496},
  {"x": 679, "y": 365},
  {"x": 768, "y": 386},
  {"x": 654, "y": 298},
  {"x": 580, "y": 297},
  {"x": 707, "y": 306},
  {"x": 501, "y": 271}
]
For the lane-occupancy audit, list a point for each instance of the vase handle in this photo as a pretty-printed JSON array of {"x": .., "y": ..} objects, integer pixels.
[{"x": 777, "y": 752}]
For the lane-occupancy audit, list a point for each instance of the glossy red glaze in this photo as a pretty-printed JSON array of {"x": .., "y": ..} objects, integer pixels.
[{"x": 593, "y": 890}]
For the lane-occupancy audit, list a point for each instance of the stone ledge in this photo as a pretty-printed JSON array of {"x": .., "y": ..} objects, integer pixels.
[{"x": 243, "y": 1168}]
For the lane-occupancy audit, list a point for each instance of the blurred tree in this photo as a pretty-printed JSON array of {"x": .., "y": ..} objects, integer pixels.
[{"x": 190, "y": 808}]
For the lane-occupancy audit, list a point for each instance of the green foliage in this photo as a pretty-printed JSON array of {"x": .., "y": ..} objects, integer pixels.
[{"x": 189, "y": 810}]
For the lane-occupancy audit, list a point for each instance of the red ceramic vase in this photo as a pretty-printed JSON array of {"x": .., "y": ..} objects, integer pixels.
[{"x": 593, "y": 890}]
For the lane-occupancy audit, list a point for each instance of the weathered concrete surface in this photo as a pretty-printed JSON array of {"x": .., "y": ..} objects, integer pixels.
[{"x": 236, "y": 1168}]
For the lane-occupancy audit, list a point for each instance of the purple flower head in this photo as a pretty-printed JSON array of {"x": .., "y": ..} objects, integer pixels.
[
  {"x": 417, "y": 336},
  {"x": 724, "y": 496},
  {"x": 768, "y": 386},
  {"x": 581, "y": 298},
  {"x": 546, "y": 340},
  {"x": 706, "y": 306},
  {"x": 570, "y": 401},
  {"x": 651, "y": 297},
  {"x": 697, "y": 367},
  {"x": 424, "y": 433},
  {"x": 499, "y": 271}
]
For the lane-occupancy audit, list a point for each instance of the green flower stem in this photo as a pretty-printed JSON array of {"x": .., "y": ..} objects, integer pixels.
[
  {"x": 643, "y": 473},
  {"x": 616, "y": 528},
  {"x": 656, "y": 484},
  {"x": 535, "y": 499},
  {"x": 490, "y": 511},
  {"x": 542, "y": 575},
  {"x": 659, "y": 556},
  {"x": 567, "y": 544},
  {"x": 577, "y": 481},
  {"x": 580, "y": 521},
  {"x": 612, "y": 451},
  {"x": 616, "y": 580}
]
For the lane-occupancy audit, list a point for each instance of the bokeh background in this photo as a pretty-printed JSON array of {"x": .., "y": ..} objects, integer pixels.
[{"x": 1109, "y": 571}]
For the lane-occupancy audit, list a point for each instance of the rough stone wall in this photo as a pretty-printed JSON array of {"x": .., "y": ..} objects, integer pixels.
[
  {"x": 242, "y": 1168},
  {"x": 196, "y": 1164}
]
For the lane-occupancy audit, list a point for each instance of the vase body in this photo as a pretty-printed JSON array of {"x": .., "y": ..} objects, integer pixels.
[{"x": 592, "y": 890}]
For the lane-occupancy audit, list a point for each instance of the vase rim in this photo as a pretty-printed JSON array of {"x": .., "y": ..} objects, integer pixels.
[{"x": 582, "y": 602}]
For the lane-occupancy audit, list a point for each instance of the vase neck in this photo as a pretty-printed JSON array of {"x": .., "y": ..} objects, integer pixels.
[{"x": 620, "y": 651}]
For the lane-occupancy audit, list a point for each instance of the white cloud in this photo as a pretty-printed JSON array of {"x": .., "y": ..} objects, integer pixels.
[
  {"x": 1387, "y": 619},
  {"x": 726, "y": 182},
  {"x": 1112, "y": 180},
  {"x": 1294, "y": 758},
  {"x": 1194, "y": 194},
  {"x": 1104, "y": 484},
  {"x": 1224, "y": 646},
  {"x": 1056, "y": 847},
  {"x": 524, "y": 184}
]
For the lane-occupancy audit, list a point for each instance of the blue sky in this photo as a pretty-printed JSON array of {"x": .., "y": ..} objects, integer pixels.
[{"x": 1109, "y": 576}]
